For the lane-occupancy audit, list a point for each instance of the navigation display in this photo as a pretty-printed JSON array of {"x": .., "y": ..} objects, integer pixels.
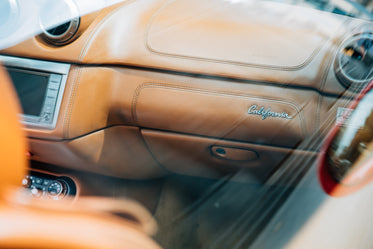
[{"x": 31, "y": 88}]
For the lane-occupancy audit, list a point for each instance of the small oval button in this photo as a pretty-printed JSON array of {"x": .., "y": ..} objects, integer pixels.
[{"x": 234, "y": 154}]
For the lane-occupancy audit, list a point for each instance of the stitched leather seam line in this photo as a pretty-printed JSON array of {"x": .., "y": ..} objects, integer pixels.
[
  {"x": 230, "y": 62},
  {"x": 80, "y": 59},
  {"x": 215, "y": 93},
  {"x": 96, "y": 29},
  {"x": 71, "y": 103}
]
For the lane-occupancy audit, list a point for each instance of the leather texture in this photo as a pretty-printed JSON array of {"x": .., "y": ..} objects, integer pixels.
[
  {"x": 221, "y": 114},
  {"x": 194, "y": 156},
  {"x": 117, "y": 151},
  {"x": 194, "y": 68},
  {"x": 48, "y": 225},
  {"x": 153, "y": 33},
  {"x": 251, "y": 37},
  {"x": 30, "y": 223},
  {"x": 102, "y": 106}
]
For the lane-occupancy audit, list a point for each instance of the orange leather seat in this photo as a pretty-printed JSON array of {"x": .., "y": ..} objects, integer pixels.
[{"x": 30, "y": 223}]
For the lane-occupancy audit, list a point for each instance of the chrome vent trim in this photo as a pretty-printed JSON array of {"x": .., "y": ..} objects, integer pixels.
[{"x": 353, "y": 65}]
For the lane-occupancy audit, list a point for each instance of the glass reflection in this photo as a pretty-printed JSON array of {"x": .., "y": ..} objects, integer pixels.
[{"x": 352, "y": 145}]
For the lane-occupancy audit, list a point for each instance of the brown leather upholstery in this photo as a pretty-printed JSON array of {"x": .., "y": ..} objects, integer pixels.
[
  {"x": 260, "y": 41},
  {"x": 195, "y": 68},
  {"x": 30, "y": 223}
]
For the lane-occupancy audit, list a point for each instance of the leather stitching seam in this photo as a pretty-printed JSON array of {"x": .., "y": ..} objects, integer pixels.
[{"x": 138, "y": 90}]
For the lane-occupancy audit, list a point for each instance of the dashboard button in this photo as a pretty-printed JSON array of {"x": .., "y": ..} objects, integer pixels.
[
  {"x": 36, "y": 192},
  {"x": 55, "y": 78},
  {"x": 38, "y": 180},
  {"x": 52, "y": 93},
  {"x": 26, "y": 182},
  {"x": 54, "y": 85},
  {"x": 46, "y": 182},
  {"x": 47, "y": 117}
]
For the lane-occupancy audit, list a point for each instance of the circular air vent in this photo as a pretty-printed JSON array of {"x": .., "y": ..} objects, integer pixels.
[
  {"x": 353, "y": 65},
  {"x": 63, "y": 33}
]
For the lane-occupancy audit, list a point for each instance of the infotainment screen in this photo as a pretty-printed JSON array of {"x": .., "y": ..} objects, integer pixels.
[
  {"x": 40, "y": 87},
  {"x": 31, "y": 88}
]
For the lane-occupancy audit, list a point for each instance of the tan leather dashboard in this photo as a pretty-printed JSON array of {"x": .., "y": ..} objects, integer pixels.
[
  {"x": 159, "y": 86},
  {"x": 259, "y": 34},
  {"x": 267, "y": 42},
  {"x": 102, "y": 108},
  {"x": 219, "y": 113}
]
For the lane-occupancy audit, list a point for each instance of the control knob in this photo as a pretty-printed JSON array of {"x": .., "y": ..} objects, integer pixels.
[{"x": 57, "y": 189}]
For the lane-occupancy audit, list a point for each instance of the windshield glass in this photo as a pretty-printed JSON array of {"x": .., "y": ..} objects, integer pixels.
[
  {"x": 358, "y": 8},
  {"x": 218, "y": 116},
  {"x": 22, "y": 19}
]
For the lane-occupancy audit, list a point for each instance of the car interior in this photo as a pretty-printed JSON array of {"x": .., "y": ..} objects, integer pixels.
[{"x": 171, "y": 113}]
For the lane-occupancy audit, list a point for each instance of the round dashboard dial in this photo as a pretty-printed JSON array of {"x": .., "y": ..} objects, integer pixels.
[
  {"x": 354, "y": 62},
  {"x": 56, "y": 190}
]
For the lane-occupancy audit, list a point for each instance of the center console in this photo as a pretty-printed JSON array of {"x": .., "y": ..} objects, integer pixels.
[{"x": 48, "y": 186}]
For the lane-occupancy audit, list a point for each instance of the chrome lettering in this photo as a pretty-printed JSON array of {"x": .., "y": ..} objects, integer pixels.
[{"x": 265, "y": 113}]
